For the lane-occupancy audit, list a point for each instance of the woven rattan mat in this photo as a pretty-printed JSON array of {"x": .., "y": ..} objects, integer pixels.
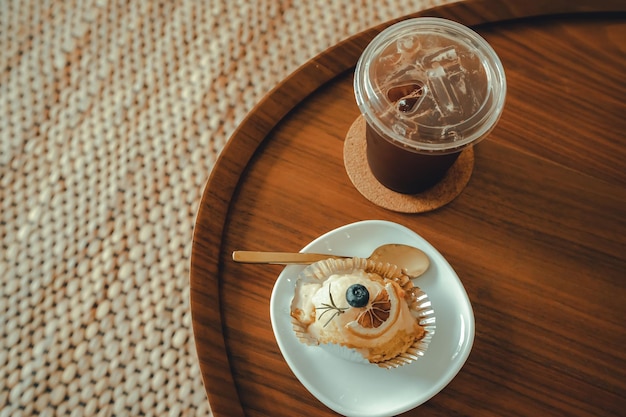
[{"x": 112, "y": 114}]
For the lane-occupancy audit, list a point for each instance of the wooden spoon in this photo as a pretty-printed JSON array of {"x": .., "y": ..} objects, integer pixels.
[{"x": 412, "y": 260}]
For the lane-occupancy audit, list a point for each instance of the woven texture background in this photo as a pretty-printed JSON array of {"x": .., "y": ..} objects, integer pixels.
[{"x": 112, "y": 114}]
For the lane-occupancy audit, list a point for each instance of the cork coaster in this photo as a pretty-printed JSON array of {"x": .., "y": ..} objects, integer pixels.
[{"x": 355, "y": 161}]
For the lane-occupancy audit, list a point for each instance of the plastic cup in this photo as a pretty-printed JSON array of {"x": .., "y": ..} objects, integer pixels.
[{"x": 428, "y": 88}]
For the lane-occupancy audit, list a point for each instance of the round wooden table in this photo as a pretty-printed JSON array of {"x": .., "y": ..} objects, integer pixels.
[{"x": 538, "y": 236}]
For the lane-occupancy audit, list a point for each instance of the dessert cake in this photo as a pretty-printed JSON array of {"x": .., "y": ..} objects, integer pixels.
[{"x": 368, "y": 307}]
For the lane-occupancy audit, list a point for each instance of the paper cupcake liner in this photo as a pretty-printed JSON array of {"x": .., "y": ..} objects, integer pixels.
[{"x": 420, "y": 307}]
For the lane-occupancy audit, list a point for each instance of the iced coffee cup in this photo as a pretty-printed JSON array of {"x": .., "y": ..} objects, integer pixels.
[{"x": 428, "y": 88}]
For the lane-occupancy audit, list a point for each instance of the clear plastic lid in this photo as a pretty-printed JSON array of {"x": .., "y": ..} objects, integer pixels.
[{"x": 431, "y": 84}]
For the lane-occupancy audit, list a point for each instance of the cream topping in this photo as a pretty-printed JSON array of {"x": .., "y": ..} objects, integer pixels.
[{"x": 322, "y": 306}]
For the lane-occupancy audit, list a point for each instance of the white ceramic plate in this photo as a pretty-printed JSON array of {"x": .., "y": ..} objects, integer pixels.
[{"x": 365, "y": 390}]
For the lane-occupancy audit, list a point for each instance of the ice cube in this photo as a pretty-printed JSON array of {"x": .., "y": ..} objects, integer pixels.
[
  {"x": 443, "y": 92},
  {"x": 408, "y": 44},
  {"x": 449, "y": 85}
]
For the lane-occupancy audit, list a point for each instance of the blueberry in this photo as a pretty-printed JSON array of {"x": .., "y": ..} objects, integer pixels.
[{"x": 357, "y": 295}]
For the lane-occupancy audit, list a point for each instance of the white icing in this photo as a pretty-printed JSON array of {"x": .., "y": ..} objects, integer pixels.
[{"x": 340, "y": 325}]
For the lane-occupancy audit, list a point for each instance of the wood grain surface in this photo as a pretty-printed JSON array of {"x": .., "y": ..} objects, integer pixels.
[{"x": 538, "y": 237}]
